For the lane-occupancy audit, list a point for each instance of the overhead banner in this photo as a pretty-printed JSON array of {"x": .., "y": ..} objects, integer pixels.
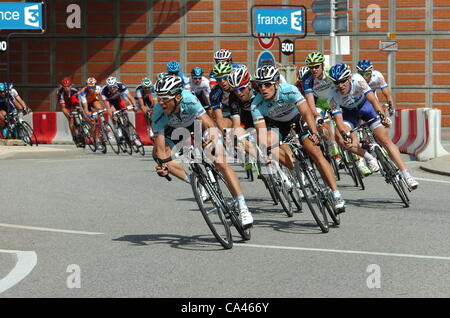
[{"x": 21, "y": 16}]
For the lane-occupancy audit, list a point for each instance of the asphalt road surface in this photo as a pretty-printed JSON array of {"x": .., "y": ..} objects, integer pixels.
[{"x": 93, "y": 225}]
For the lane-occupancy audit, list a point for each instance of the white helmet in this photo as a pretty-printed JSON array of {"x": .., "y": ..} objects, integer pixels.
[
  {"x": 302, "y": 72},
  {"x": 222, "y": 55},
  {"x": 111, "y": 81},
  {"x": 169, "y": 85},
  {"x": 267, "y": 73}
]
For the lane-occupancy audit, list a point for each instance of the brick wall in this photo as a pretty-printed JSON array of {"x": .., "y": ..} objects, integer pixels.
[{"x": 136, "y": 38}]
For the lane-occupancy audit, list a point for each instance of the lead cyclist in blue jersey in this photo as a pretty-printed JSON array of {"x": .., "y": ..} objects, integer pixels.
[
  {"x": 279, "y": 105},
  {"x": 352, "y": 99},
  {"x": 179, "y": 108}
]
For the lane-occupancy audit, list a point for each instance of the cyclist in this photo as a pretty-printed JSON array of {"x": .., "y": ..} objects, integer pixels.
[
  {"x": 67, "y": 96},
  {"x": 180, "y": 108},
  {"x": 90, "y": 96},
  {"x": 7, "y": 92},
  {"x": 220, "y": 96},
  {"x": 221, "y": 55},
  {"x": 302, "y": 71},
  {"x": 200, "y": 87},
  {"x": 352, "y": 99},
  {"x": 375, "y": 80},
  {"x": 174, "y": 68},
  {"x": 279, "y": 105},
  {"x": 317, "y": 84},
  {"x": 143, "y": 96}
]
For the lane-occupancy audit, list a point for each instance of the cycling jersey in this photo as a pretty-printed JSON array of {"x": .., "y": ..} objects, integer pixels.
[
  {"x": 283, "y": 109},
  {"x": 220, "y": 100},
  {"x": 320, "y": 88},
  {"x": 242, "y": 109},
  {"x": 121, "y": 91},
  {"x": 190, "y": 110},
  {"x": 377, "y": 81},
  {"x": 354, "y": 99},
  {"x": 68, "y": 101},
  {"x": 87, "y": 97},
  {"x": 202, "y": 87},
  {"x": 146, "y": 96},
  {"x": 4, "y": 105}
]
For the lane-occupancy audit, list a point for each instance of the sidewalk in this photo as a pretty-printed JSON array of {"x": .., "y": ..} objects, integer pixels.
[
  {"x": 12, "y": 149},
  {"x": 440, "y": 165}
]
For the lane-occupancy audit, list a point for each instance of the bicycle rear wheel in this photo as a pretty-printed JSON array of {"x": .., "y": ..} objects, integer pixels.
[
  {"x": 88, "y": 138},
  {"x": 311, "y": 196},
  {"x": 232, "y": 208},
  {"x": 212, "y": 209},
  {"x": 349, "y": 165},
  {"x": 23, "y": 134},
  {"x": 392, "y": 176}
]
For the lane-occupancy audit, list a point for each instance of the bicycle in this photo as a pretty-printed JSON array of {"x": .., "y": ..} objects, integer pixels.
[
  {"x": 127, "y": 133},
  {"x": 317, "y": 195},
  {"x": 83, "y": 130},
  {"x": 219, "y": 205},
  {"x": 107, "y": 133},
  {"x": 17, "y": 128},
  {"x": 388, "y": 169}
]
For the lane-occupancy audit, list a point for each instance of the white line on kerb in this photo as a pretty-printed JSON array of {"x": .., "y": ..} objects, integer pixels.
[
  {"x": 48, "y": 229},
  {"x": 26, "y": 261},
  {"x": 343, "y": 251}
]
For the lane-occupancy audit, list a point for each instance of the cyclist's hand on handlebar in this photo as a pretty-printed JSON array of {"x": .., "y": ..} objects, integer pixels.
[
  {"x": 314, "y": 138},
  {"x": 162, "y": 170}
]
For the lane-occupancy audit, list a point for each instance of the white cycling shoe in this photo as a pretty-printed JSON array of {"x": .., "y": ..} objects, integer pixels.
[
  {"x": 412, "y": 183},
  {"x": 246, "y": 218},
  {"x": 373, "y": 165}
]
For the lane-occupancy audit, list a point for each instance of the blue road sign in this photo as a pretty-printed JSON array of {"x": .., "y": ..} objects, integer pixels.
[
  {"x": 279, "y": 20},
  {"x": 322, "y": 23},
  {"x": 21, "y": 16},
  {"x": 265, "y": 57}
]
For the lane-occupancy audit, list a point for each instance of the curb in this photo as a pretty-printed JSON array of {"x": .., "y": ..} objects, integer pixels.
[
  {"x": 443, "y": 173},
  {"x": 439, "y": 165},
  {"x": 42, "y": 154}
]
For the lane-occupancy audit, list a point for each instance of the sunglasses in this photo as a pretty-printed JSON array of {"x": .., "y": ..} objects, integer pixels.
[
  {"x": 365, "y": 73},
  {"x": 165, "y": 98},
  {"x": 266, "y": 84},
  {"x": 91, "y": 87},
  {"x": 240, "y": 89},
  {"x": 222, "y": 78},
  {"x": 196, "y": 77},
  {"x": 315, "y": 67},
  {"x": 342, "y": 81}
]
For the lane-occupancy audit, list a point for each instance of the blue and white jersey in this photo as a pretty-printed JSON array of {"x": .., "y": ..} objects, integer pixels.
[
  {"x": 122, "y": 91},
  {"x": 190, "y": 110},
  {"x": 355, "y": 99},
  {"x": 377, "y": 81},
  {"x": 220, "y": 99},
  {"x": 284, "y": 108}
]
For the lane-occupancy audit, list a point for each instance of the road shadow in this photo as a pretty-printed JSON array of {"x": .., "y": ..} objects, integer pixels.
[
  {"x": 376, "y": 204},
  {"x": 194, "y": 243}
]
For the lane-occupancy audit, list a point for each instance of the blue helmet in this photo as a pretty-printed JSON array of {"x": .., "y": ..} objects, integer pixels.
[
  {"x": 197, "y": 71},
  {"x": 339, "y": 72},
  {"x": 2, "y": 87},
  {"x": 173, "y": 67},
  {"x": 364, "y": 66}
]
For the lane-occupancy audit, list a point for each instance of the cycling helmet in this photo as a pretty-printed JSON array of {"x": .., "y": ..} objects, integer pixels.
[
  {"x": 267, "y": 73},
  {"x": 91, "y": 82},
  {"x": 314, "y": 58},
  {"x": 169, "y": 85},
  {"x": 66, "y": 82},
  {"x": 239, "y": 77},
  {"x": 339, "y": 72},
  {"x": 111, "y": 81},
  {"x": 302, "y": 72},
  {"x": 197, "y": 72},
  {"x": 222, "y": 55},
  {"x": 2, "y": 87},
  {"x": 222, "y": 68},
  {"x": 173, "y": 67},
  {"x": 162, "y": 75},
  {"x": 364, "y": 66},
  {"x": 146, "y": 82}
]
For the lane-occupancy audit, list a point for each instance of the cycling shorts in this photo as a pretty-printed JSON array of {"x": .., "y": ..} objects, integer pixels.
[
  {"x": 366, "y": 112},
  {"x": 118, "y": 104},
  {"x": 284, "y": 127}
]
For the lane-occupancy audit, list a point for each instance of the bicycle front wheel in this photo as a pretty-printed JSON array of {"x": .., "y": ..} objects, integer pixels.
[
  {"x": 212, "y": 210},
  {"x": 282, "y": 192},
  {"x": 30, "y": 132},
  {"x": 136, "y": 142},
  {"x": 110, "y": 136}
]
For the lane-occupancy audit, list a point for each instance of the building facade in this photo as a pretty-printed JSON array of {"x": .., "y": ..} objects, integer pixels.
[{"x": 136, "y": 38}]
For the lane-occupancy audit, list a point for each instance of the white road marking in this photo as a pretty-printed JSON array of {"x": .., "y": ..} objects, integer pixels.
[
  {"x": 26, "y": 261},
  {"x": 343, "y": 251},
  {"x": 48, "y": 229},
  {"x": 433, "y": 180}
]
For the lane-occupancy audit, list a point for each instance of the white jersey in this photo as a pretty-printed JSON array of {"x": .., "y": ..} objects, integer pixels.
[
  {"x": 377, "y": 81},
  {"x": 354, "y": 99},
  {"x": 203, "y": 86}
]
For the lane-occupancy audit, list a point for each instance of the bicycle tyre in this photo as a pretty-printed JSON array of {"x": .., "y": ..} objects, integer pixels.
[
  {"x": 124, "y": 141},
  {"x": 269, "y": 186},
  {"x": 349, "y": 166},
  {"x": 23, "y": 134},
  {"x": 294, "y": 193},
  {"x": 88, "y": 138},
  {"x": 312, "y": 196},
  {"x": 282, "y": 193},
  {"x": 391, "y": 175},
  {"x": 232, "y": 207},
  {"x": 225, "y": 239},
  {"x": 30, "y": 131},
  {"x": 329, "y": 206},
  {"x": 108, "y": 133},
  {"x": 133, "y": 132},
  {"x": 357, "y": 172}
]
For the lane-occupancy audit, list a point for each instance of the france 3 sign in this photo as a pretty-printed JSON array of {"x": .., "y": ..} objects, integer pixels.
[
  {"x": 21, "y": 16},
  {"x": 279, "y": 20}
]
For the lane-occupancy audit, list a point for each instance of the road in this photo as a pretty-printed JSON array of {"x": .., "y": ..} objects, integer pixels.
[{"x": 94, "y": 225}]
